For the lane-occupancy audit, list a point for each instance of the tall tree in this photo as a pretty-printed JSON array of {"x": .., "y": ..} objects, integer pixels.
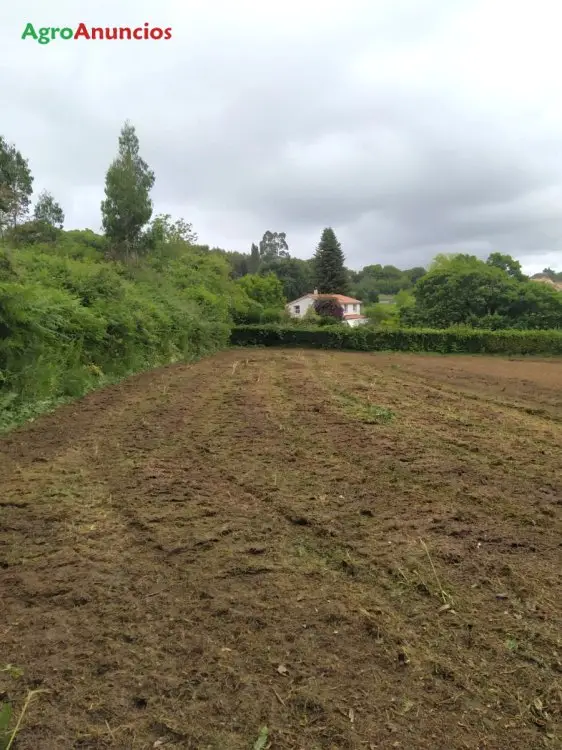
[
  {"x": 254, "y": 261},
  {"x": 329, "y": 265},
  {"x": 274, "y": 245},
  {"x": 16, "y": 185},
  {"x": 127, "y": 206},
  {"x": 48, "y": 211}
]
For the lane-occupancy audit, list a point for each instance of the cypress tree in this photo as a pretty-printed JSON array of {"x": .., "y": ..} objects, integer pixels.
[
  {"x": 255, "y": 260},
  {"x": 329, "y": 269}
]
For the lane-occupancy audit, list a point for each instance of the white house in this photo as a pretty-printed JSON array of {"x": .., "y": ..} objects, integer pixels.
[{"x": 351, "y": 307}]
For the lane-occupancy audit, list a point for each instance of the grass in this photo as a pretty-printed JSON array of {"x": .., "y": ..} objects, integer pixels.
[{"x": 7, "y": 736}]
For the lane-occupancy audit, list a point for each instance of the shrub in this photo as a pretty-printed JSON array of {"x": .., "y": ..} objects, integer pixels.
[
  {"x": 328, "y": 307},
  {"x": 446, "y": 341},
  {"x": 71, "y": 320}
]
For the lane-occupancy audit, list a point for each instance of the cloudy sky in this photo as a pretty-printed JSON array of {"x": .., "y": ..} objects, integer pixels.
[{"x": 411, "y": 126}]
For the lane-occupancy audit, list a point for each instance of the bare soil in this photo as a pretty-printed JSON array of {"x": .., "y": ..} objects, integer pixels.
[{"x": 354, "y": 550}]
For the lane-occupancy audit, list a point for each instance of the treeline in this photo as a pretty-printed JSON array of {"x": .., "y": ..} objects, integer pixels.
[
  {"x": 79, "y": 309},
  {"x": 272, "y": 255},
  {"x": 456, "y": 289}
]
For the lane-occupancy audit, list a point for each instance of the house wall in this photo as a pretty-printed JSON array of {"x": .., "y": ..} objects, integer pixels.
[{"x": 304, "y": 304}]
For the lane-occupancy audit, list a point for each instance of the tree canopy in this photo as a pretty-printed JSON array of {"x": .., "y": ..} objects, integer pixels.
[
  {"x": 48, "y": 211},
  {"x": 16, "y": 185},
  {"x": 127, "y": 207},
  {"x": 330, "y": 273}
]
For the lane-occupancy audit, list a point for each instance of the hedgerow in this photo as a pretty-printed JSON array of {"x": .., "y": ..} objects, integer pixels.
[
  {"x": 445, "y": 341},
  {"x": 71, "y": 320}
]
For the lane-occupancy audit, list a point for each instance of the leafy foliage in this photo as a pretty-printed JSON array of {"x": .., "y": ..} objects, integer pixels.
[
  {"x": 48, "y": 211},
  {"x": 32, "y": 233},
  {"x": 375, "y": 280},
  {"x": 445, "y": 341},
  {"x": 127, "y": 206},
  {"x": 16, "y": 185},
  {"x": 71, "y": 320},
  {"x": 296, "y": 275},
  {"x": 463, "y": 290},
  {"x": 267, "y": 290},
  {"x": 328, "y": 307},
  {"x": 273, "y": 245},
  {"x": 164, "y": 230}
]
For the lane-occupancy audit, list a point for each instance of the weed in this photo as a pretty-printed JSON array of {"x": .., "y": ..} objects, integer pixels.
[
  {"x": 262, "y": 739},
  {"x": 8, "y": 736}
]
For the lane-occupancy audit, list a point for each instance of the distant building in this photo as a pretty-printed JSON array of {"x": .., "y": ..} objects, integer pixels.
[{"x": 351, "y": 307}]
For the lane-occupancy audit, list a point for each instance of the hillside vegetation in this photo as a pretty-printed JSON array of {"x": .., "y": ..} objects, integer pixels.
[{"x": 80, "y": 309}]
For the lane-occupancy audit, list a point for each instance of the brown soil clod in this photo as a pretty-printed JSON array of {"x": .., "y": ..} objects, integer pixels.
[{"x": 352, "y": 550}]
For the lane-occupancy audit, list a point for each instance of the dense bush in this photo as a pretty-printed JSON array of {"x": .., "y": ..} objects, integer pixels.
[
  {"x": 71, "y": 320},
  {"x": 328, "y": 307},
  {"x": 454, "y": 340},
  {"x": 492, "y": 295}
]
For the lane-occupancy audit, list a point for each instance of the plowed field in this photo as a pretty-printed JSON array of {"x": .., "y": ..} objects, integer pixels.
[{"x": 354, "y": 550}]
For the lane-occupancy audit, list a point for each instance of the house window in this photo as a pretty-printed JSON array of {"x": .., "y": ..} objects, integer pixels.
[
  {"x": 297, "y": 309},
  {"x": 354, "y": 308}
]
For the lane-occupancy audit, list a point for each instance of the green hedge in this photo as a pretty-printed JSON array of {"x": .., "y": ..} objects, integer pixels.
[{"x": 445, "y": 341}]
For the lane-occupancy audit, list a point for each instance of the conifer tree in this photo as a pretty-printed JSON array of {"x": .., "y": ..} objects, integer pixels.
[{"x": 329, "y": 265}]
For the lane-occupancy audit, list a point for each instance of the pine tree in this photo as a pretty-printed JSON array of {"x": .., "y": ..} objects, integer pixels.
[
  {"x": 127, "y": 206},
  {"x": 329, "y": 269},
  {"x": 16, "y": 185},
  {"x": 48, "y": 211}
]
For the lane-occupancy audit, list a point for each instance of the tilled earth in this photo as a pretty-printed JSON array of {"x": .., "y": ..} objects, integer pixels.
[{"x": 354, "y": 550}]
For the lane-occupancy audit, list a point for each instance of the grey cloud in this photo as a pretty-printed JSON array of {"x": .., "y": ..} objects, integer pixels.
[{"x": 364, "y": 116}]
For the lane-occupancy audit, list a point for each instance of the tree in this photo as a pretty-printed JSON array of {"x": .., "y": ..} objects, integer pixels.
[
  {"x": 16, "y": 185},
  {"x": 295, "y": 274},
  {"x": 163, "y": 229},
  {"x": 329, "y": 265},
  {"x": 508, "y": 264},
  {"x": 254, "y": 260},
  {"x": 239, "y": 263},
  {"x": 267, "y": 290},
  {"x": 48, "y": 211},
  {"x": 328, "y": 307},
  {"x": 127, "y": 206},
  {"x": 274, "y": 245},
  {"x": 414, "y": 274},
  {"x": 463, "y": 290}
]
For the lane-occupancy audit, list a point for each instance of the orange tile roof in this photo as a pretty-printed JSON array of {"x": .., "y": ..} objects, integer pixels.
[
  {"x": 341, "y": 298},
  {"x": 353, "y": 316}
]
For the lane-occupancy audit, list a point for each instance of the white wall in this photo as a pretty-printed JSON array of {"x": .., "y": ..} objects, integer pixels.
[{"x": 305, "y": 304}]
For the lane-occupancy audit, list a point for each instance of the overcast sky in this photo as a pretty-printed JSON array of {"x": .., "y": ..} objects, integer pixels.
[{"x": 411, "y": 126}]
